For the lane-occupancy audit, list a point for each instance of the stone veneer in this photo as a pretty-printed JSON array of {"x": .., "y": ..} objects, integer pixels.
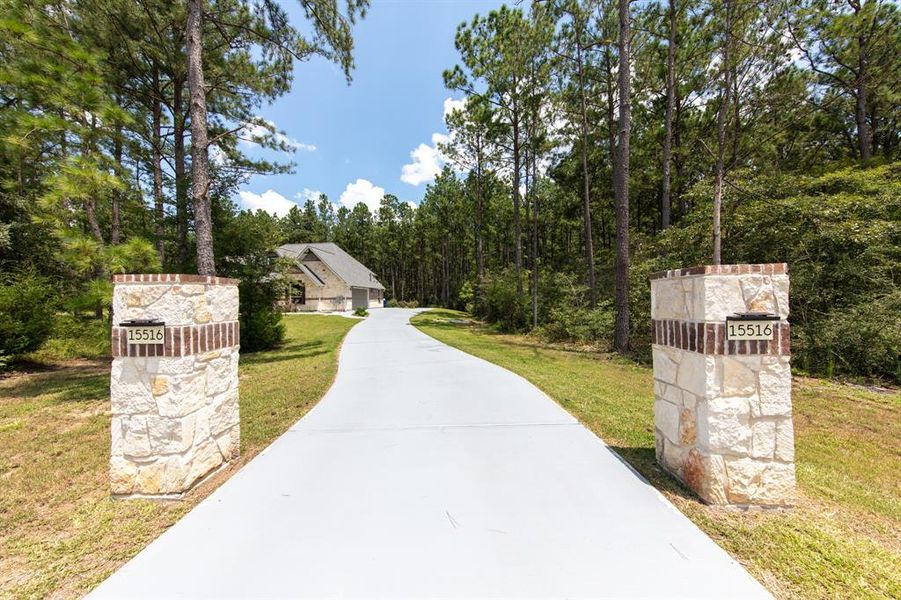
[
  {"x": 722, "y": 409},
  {"x": 174, "y": 404}
]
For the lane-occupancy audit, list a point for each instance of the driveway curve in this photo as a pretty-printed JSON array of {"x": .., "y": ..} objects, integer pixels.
[{"x": 428, "y": 473}]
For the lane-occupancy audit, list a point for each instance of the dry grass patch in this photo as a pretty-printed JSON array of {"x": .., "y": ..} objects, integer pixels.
[
  {"x": 841, "y": 541},
  {"x": 60, "y": 533}
]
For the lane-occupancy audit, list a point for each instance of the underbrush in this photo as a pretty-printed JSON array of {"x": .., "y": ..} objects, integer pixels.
[
  {"x": 839, "y": 233},
  {"x": 73, "y": 337},
  {"x": 394, "y": 303}
]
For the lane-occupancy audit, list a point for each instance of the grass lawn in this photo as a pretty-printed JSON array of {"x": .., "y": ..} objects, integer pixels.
[
  {"x": 843, "y": 540},
  {"x": 60, "y": 533}
]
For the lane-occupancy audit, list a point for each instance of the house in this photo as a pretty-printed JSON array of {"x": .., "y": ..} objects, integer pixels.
[{"x": 326, "y": 278}]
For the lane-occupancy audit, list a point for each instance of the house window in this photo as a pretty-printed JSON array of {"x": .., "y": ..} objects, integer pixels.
[{"x": 298, "y": 293}]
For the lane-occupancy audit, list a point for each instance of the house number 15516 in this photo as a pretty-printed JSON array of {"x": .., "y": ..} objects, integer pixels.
[
  {"x": 749, "y": 330},
  {"x": 153, "y": 334}
]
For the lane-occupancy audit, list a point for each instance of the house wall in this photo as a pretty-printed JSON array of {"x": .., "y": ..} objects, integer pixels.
[{"x": 335, "y": 295}]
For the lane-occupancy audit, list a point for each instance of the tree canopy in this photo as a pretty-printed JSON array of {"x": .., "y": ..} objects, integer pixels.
[{"x": 597, "y": 140}]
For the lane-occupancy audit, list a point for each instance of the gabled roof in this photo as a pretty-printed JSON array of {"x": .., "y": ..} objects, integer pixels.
[{"x": 345, "y": 266}]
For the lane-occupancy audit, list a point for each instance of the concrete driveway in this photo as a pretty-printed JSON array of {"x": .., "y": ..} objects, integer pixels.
[{"x": 424, "y": 473}]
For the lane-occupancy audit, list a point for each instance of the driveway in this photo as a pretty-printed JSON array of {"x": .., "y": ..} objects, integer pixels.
[{"x": 426, "y": 472}]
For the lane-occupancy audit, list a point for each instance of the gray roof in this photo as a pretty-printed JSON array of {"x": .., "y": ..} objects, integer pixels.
[{"x": 343, "y": 264}]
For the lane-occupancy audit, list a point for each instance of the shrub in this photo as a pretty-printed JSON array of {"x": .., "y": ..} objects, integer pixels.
[
  {"x": 863, "y": 340},
  {"x": 840, "y": 234},
  {"x": 395, "y": 303},
  {"x": 640, "y": 309},
  {"x": 580, "y": 324},
  {"x": 467, "y": 297},
  {"x": 74, "y": 337},
  {"x": 361, "y": 312},
  {"x": 26, "y": 313},
  {"x": 261, "y": 322},
  {"x": 246, "y": 251},
  {"x": 564, "y": 311},
  {"x": 502, "y": 305}
]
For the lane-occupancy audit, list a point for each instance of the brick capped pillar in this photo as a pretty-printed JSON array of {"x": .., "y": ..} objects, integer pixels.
[
  {"x": 175, "y": 403},
  {"x": 722, "y": 409}
]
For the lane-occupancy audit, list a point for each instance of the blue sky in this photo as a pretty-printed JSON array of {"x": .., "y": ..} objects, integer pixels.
[{"x": 354, "y": 141}]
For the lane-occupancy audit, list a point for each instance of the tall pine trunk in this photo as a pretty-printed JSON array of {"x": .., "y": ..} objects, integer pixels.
[
  {"x": 621, "y": 183},
  {"x": 90, "y": 209},
  {"x": 91, "y": 213},
  {"x": 157, "y": 142},
  {"x": 116, "y": 201},
  {"x": 445, "y": 275},
  {"x": 864, "y": 137},
  {"x": 722, "y": 113},
  {"x": 200, "y": 168},
  {"x": 586, "y": 184},
  {"x": 517, "y": 225},
  {"x": 480, "y": 209},
  {"x": 611, "y": 103},
  {"x": 535, "y": 225},
  {"x": 480, "y": 259},
  {"x": 530, "y": 221},
  {"x": 665, "y": 192},
  {"x": 611, "y": 137},
  {"x": 181, "y": 177},
  {"x": 677, "y": 153}
]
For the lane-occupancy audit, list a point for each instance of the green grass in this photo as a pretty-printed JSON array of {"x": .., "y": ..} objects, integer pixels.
[
  {"x": 842, "y": 540},
  {"x": 60, "y": 533}
]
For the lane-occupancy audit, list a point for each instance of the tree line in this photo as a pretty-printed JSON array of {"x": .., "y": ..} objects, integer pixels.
[
  {"x": 593, "y": 135},
  {"x": 595, "y": 131}
]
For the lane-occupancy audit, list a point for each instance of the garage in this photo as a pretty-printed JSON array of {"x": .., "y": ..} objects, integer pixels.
[{"x": 360, "y": 298}]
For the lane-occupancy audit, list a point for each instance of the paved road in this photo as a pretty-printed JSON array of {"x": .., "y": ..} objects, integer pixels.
[{"x": 424, "y": 473}]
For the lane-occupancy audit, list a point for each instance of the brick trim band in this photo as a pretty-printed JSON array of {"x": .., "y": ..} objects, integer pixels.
[
  {"x": 757, "y": 269},
  {"x": 180, "y": 340},
  {"x": 710, "y": 338},
  {"x": 172, "y": 278}
]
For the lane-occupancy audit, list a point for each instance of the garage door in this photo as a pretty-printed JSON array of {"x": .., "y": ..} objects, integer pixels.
[{"x": 360, "y": 298}]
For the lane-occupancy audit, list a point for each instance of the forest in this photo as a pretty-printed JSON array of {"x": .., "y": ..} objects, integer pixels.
[{"x": 598, "y": 141}]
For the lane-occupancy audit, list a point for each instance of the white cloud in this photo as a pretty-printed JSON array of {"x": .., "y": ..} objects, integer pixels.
[
  {"x": 450, "y": 105},
  {"x": 269, "y": 201},
  {"x": 363, "y": 191},
  {"x": 427, "y": 162},
  {"x": 253, "y": 134},
  {"x": 308, "y": 194},
  {"x": 440, "y": 138}
]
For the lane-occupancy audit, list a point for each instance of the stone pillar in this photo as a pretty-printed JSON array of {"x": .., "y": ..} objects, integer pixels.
[
  {"x": 722, "y": 408},
  {"x": 174, "y": 404}
]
